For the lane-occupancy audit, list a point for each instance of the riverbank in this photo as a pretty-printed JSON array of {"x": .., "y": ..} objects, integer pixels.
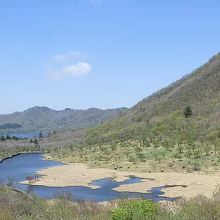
[
  {"x": 19, "y": 153},
  {"x": 187, "y": 185},
  {"x": 9, "y": 157}
]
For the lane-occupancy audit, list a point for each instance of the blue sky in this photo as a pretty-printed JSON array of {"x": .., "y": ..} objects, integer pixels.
[{"x": 100, "y": 53}]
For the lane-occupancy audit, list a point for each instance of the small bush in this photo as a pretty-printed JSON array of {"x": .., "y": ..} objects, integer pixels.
[{"x": 141, "y": 209}]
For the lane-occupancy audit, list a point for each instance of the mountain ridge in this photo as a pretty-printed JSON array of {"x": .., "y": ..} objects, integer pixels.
[{"x": 42, "y": 118}]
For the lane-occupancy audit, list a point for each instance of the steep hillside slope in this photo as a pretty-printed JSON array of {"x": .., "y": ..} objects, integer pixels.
[
  {"x": 200, "y": 90},
  {"x": 45, "y": 119}
]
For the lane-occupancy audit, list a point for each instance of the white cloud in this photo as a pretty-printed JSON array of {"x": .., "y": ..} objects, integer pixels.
[
  {"x": 79, "y": 69},
  {"x": 63, "y": 57},
  {"x": 75, "y": 70},
  {"x": 69, "y": 64}
]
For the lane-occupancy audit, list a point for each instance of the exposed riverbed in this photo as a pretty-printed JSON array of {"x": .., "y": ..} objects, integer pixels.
[{"x": 21, "y": 166}]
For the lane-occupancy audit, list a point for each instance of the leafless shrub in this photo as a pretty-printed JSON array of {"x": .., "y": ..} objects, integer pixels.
[{"x": 10, "y": 182}]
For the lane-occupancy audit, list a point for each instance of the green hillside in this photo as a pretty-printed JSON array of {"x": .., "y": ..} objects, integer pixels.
[
  {"x": 200, "y": 90},
  {"x": 155, "y": 135}
]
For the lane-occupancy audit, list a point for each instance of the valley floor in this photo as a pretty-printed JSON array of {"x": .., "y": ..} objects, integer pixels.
[{"x": 187, "y": 185}]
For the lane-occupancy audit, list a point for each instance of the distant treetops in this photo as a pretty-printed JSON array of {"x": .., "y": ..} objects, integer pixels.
[{"x": 9, "y": 137}]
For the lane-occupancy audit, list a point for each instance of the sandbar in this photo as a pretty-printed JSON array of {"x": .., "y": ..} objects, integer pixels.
[{"x": 186, "y": 185}]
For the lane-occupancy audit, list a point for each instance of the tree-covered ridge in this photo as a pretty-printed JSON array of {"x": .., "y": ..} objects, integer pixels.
[
  {"x": 10, "y": 126},
  {"x": 45, "y": 119}
]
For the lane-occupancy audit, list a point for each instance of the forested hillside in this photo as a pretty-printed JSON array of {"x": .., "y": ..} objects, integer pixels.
[{"x": 45, "y": 119}]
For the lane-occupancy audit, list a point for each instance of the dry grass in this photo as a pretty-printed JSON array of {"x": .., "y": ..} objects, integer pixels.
[{"x": 17, "y": 206}]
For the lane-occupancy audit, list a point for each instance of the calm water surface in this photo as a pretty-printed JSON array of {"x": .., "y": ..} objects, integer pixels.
[
  {"x": 28, "y": 135},
  {"x": 21, "y": 166}
]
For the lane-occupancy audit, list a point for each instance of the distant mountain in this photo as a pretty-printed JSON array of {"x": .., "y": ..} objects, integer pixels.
[
  {"x": 46, "y": 119},
  {"x": 161, "y": 114}
]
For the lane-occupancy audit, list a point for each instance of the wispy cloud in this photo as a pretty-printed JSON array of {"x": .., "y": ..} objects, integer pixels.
[
  {"x": 69, "y": 64},
  {"x": 75, "y": 70},
  {"x": 68, "y": 56}
]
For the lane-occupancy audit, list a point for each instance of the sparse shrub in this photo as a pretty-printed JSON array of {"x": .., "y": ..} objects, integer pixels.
[
  {"x": 141, "y": 156},
  {"x": 180, "y": 149},
  {"x": 207, "y": 149},
  {"x": 177, "y": 155},
  {"x": 196, "y": 154},
  {"x": 196, "y": 166},
  {"x": 188, "y": 154},
  {"x": 132, "y": 158}
]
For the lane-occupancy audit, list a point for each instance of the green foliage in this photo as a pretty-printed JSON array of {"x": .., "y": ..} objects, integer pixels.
[
  {"x": 120, "y": 214},
  {"x": 36, "y": 142},
  {"x": 129, "y": 210},
  {"x": 187, "y": 111},
  {"x": 9, "y": 137},
  {"x": 172, "y": 140},
  {"x": 162, "y": 115}
]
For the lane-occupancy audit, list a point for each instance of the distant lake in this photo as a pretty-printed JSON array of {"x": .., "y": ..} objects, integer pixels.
[
  {"x": 28, "y": 135},
  {"x": 21, "y": 166}
]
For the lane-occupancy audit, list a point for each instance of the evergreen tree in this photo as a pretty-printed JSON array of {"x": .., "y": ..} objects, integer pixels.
[
  {"x": 8, "y": 137},
  {"x": 187, "y": 111},
  {"x": 41, "y": 135},
  {"x": 2, "y": 138},
  {"x": 36, "y": 142}
]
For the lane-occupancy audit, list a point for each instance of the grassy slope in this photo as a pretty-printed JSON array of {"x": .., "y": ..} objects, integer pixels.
[
  {"x": 201, "y": 90},
  {"x": 155, "y": 136},
  {"x": 18, "y": 206}
]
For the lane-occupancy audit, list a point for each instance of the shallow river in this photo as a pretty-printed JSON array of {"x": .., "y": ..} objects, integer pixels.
[{"x": 24, "y": 165}]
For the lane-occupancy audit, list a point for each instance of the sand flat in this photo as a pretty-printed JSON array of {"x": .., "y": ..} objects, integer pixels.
[
  {"x": 184, "y": 185},
  {"x": 76, "y": 174}
]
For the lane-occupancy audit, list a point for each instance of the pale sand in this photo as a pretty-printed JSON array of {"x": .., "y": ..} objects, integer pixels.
[
  {"x": 75, "y": 174},
  {"x": 80, "y": 175}
]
